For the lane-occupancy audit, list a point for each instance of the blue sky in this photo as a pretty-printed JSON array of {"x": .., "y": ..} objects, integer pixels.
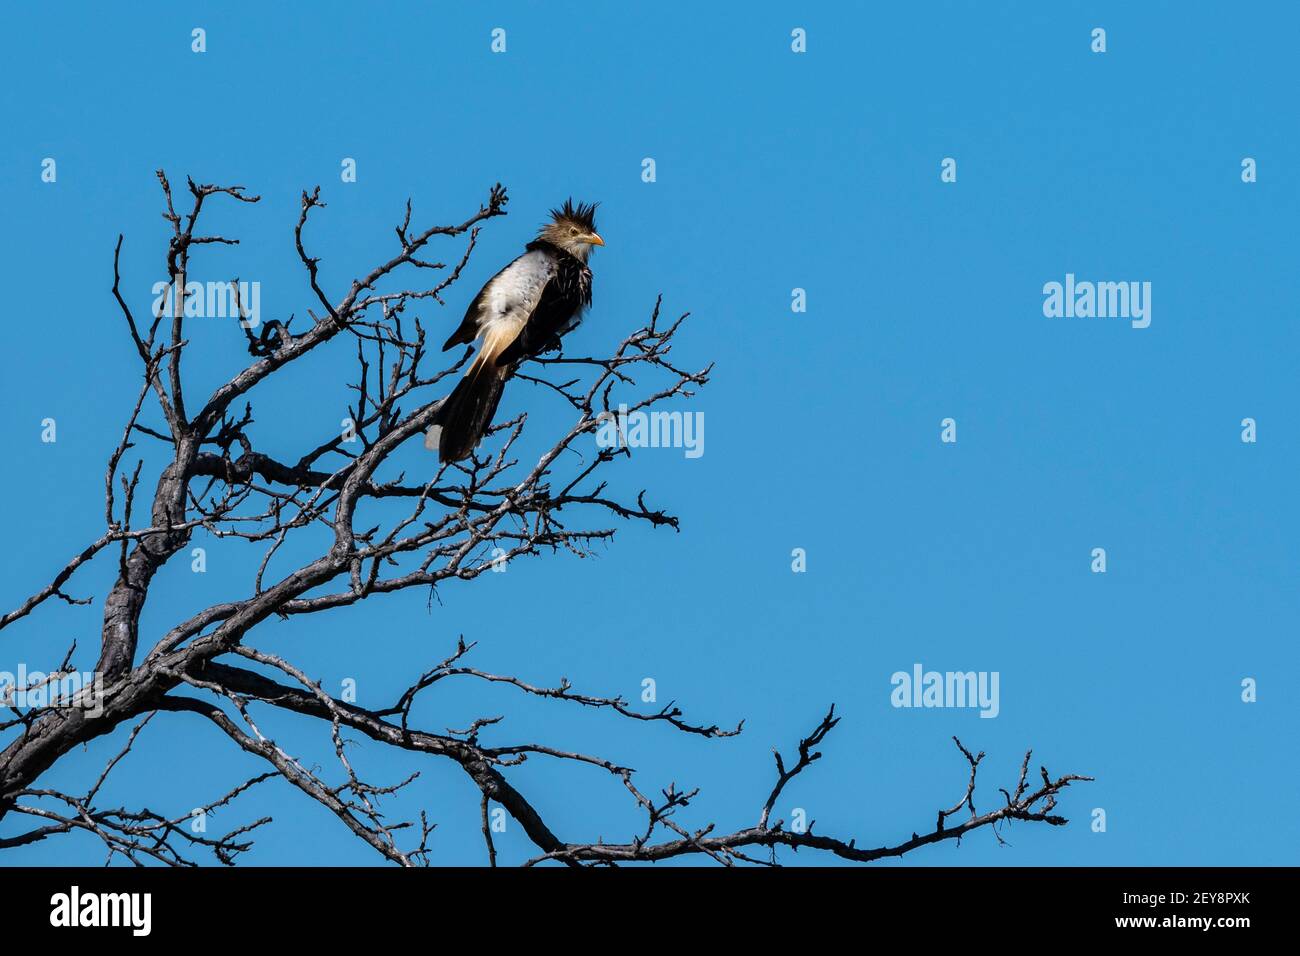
[{"x": 775, "y": 171}]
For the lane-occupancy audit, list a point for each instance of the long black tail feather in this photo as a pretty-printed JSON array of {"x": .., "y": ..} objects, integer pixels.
[{"x": 467, "y": 412}]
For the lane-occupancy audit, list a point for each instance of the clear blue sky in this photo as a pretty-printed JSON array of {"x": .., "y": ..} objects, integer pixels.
[{"x": 774, "y": 171}]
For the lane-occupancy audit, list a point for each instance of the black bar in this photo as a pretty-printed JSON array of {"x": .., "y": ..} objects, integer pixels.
[{"x": 336, "y": 905}]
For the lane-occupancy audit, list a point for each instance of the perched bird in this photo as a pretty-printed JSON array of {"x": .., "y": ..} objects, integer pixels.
[{"x": 521, "y": 312}]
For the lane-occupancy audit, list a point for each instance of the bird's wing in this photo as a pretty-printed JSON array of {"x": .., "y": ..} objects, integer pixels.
[
  {"x": 509, "y": 297},
  {"x": 468, "y": 329}
]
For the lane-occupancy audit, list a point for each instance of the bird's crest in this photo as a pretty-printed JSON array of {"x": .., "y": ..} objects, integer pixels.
[{"x": 582, "y": 214}]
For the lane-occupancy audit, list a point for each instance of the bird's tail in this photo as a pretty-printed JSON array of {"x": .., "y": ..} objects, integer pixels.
[{"x": 467, "y": 412}]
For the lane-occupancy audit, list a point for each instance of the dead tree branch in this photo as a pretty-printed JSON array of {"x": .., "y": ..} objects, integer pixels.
[{"x": 206, "y": 476}]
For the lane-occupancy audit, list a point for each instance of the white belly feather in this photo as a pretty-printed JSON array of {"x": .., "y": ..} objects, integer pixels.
[{"x": 510, "y": 299}]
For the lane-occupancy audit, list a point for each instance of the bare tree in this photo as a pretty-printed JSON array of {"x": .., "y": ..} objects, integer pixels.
[{"x": 462, "y": 521}]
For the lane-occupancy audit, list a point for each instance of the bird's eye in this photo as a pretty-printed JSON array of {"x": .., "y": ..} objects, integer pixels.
[{"x": 573, "y": 230}]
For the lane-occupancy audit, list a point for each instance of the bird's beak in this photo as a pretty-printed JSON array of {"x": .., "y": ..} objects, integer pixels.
[{"x": 595, "y": 240}]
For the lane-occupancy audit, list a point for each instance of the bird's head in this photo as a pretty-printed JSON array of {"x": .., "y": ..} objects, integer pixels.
[{"x": 573, "y": 229}]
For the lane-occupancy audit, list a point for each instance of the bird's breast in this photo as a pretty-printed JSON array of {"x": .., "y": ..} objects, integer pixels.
[{"x": 519, "y": 286}]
